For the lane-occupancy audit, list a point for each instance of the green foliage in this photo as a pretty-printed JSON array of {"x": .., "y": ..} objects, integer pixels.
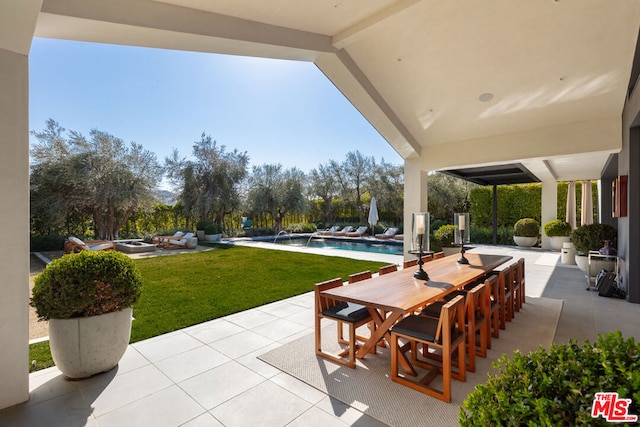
[
  {"x": 447, "y": 195},
  {"x": 445, "y": 235},
  {"x": 212, "y": 228},
  {"x": 40, "y": 353},
  {"x": 301, "y": 228},
  {"x": 526, "y": 227},
  {"x": 514, "y": 202},
  {"x": 100, "y": 177},
  {"x": 557, "y": 227},
  {"x": 201, "y": 224},
  {"x": 86, "y": 284},
  {"x": 435, "y": 225},
  {"x": 556, "y": 387},
  {"x": 591, "y": 237}
]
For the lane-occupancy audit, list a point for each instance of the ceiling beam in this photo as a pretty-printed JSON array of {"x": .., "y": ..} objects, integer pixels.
[{"x": 369, "y": 24}]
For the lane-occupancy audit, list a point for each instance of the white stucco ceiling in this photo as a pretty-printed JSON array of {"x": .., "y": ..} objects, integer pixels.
[{"x": 557, "y": 70}]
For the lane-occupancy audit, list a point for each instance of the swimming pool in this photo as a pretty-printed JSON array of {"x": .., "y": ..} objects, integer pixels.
[{"x": 387, "y": 248}]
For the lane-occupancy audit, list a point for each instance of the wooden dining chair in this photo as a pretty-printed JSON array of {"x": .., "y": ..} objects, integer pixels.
[
  {"x": 388, "y": 269},
  {"x": 493, "y": 296},
  {"x": 505, "y": 298},
  {"x": 475, "y": 320},
  {"x": 520, "y": 281},
  {"x": 344, "y": 313},
  {"x": 509, "y": 303},
  {"x": 446, "y": 334},
  {"x": 517, "y": 289},
  {"x": 358, "y": 277},
  {"x": 438, "y": 255},
  {"x": 410, "y": 263}
]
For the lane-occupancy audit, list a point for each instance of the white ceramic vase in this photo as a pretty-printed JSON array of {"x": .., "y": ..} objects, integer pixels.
[
  {"x": 85, "y": 346},
  {"x": 526, "y": 242}
]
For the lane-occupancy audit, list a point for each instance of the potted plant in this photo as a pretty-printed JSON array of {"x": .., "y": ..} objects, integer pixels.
[
  {"x": 558, "y": 232},
  {"x": 526, "y": 232},
  {"x": 87, "y": 299},
  {"x": 446, "y": 236},
  {"x": 555, "y": 387},
  {"x": 200, "y": 226},
  {"x": 212, "y": 232},
  {"x": 591, "y": 237}
]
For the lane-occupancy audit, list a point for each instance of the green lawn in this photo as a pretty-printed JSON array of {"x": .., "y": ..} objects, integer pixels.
[{"x": 184, "y": 290}]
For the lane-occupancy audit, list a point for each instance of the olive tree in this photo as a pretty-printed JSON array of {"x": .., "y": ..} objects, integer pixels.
[
  {"x": 100, "y": 176},
  {"x": 323, "y": 185},
  {"x": 209, "y": 186},
  {"x": 353, "y": 175},
  {"x": 276, "y": 191}
]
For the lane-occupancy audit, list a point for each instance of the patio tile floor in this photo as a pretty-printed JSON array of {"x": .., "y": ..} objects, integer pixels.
[{"x": 209, "y": 374}]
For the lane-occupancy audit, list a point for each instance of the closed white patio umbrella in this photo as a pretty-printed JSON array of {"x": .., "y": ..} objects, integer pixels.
[
  {"x": 587, "y": 203},
  {"x": 373, "y": 214},
  {"x": 571, "y": 205}
]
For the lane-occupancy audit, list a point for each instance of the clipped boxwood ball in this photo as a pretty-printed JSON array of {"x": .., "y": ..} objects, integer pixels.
[
  {"x": 556, "y": 387},
  {"x": 526, "y": 227},
  {"x": 86, "y": 284}
]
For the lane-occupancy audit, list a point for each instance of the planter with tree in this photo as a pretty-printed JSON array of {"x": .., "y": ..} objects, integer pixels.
[
  {"x": 212, "y": 232},
  {"x": 559, "y": 232},
  {"x": 526, "y": 232},
  {"x": 87, "y": 299},
  {"x": 590, "y": 238}
]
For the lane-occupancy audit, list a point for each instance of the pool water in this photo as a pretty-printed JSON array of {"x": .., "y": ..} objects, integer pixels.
[{"x": 374, "y": 247}]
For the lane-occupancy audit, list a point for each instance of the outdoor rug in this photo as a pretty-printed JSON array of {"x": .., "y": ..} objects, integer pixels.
[{"x": 369, "y": 388}]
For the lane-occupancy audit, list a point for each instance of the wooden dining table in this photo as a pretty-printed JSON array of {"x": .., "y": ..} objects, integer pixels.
[{"x": 391, "y": 296}]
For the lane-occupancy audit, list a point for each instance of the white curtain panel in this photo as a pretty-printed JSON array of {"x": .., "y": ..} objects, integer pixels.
[
  {"x": 571, "y": 204},
  {"x": 587, "y": 203}
]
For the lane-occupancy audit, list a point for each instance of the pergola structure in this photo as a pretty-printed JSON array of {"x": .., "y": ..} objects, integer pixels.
[{"x": 550, "y": 85}]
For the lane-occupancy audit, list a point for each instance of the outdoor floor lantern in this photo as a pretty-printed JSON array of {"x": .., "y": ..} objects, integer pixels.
[
  {"x": 462, "y": 234},
  {"x": 420, "y": 227}
]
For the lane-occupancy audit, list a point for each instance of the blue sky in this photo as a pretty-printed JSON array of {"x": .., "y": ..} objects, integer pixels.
[{"x": 283, "y": 112}]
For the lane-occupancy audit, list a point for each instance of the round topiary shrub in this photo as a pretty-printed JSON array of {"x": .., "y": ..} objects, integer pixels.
[
  {"x": 557, "y": 228},
  {"x": 556, "y": 387},
  {"x": 212, "y": 228},
  {"x": 526, "y": 227},
  {"x": 591, "y": 237},
  {"x": 446, "y": 235},
  {"x": 86, "y": 284}
]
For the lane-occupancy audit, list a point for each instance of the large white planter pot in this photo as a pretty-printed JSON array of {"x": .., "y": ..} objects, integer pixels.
[
  {"x": 213, "y": 237},
  {"x": 85, "y": 346},
  {"x": 526, "y": 242},
  {"x": 582, "y": 261},
  {"x": 557, "y": 242}
]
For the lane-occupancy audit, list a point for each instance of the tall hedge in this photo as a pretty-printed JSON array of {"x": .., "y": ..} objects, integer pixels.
[{"x": 514, "y": 202}]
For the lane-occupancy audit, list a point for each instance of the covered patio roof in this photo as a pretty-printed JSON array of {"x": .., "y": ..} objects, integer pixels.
[{"x": 493, "y": 82}]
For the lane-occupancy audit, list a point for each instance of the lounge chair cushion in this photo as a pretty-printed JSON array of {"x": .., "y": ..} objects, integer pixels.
[
  {"x": 99, "y": 246},
  {"x": 347, "y": 311},
  {"x": 423, "y": 328},
  {"x": 76, "y": 241}
]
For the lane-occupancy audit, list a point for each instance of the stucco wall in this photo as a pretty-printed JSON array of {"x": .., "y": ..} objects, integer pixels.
[{"x": 14, "y": 217}]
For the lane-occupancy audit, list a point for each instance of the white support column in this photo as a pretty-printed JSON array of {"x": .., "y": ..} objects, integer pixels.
[
  {"x": 14, "y": 217},
  {"x": 549, "y": 207},
  {"x": 415, "y": 196}
]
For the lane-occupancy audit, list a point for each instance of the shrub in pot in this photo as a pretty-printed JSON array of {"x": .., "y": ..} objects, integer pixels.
[
  {"x": 212, "y": 232},
  {"x": 200, "y": 226},
  {"x": 87, "y": 298},
  {"x": 526, "y": 232},
  {"x": 591, "y": 237},
  {"x": 556, "y": 387},
  {"x": 558, "y": 231},
  {"x": 445, "y": 235}
]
